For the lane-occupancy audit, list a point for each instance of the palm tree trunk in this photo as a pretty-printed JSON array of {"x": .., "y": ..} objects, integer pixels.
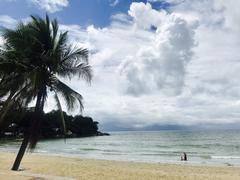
[
  {"x": 27, "y": 135},
  {"x": 36, "y": 124},
  {"x": 21, "y": 152}
]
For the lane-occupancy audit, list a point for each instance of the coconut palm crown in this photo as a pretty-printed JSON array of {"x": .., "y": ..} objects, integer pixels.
[{"x": 33, "y": 58}]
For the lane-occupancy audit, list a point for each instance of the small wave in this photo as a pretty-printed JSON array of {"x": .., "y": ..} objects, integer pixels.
[
  {"x": 111, "y": 150},
  {"x": 90, "y": 149},
  {"x": 192, "y": 146},
  {"x": 111, "y": 153},
  {"x": 162, "y": 146},
  {"x": 157, "y": 154},
  {"x": 225, "y": 157},
  {"x": 206, "y": 157},
  {"x": 42, "y": 151}
]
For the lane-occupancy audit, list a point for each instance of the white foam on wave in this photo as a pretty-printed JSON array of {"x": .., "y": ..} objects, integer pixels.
[
  {"x": 225, "y": 157},
  {"x": 41, "y": 151}
]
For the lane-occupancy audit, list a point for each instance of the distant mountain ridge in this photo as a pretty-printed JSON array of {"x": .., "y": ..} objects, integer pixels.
[{"x": 159, "y": 127}]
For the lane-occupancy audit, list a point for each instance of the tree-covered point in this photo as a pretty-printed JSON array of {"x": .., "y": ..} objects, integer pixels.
[{"x": 78, "y": 126}]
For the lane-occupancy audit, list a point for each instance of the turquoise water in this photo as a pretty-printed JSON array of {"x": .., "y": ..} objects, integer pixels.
[{"x": 202, "y": 147}]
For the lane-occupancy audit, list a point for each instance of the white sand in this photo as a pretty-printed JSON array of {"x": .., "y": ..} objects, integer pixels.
[{"x": 59, "y": 168}]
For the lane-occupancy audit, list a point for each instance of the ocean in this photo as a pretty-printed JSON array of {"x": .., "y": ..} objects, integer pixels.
[{"x": 202, "y": 147}]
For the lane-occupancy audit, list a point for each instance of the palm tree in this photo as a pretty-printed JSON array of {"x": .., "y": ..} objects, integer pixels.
[{"x": 34, "y": 56}]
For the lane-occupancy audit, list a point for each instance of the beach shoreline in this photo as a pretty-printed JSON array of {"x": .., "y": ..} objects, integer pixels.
[
  {"x": 58, "y": 167},
  {"x": 189, "y": 162}
]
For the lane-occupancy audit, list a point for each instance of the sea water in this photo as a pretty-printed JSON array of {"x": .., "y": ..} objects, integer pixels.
[{"x": 202, "y": 147}]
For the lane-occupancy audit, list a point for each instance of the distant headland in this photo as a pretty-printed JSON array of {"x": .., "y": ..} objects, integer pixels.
[{"x": 77, "y": 126}]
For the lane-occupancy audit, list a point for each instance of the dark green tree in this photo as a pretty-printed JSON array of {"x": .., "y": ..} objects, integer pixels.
[{"x": 32, "y": 59}]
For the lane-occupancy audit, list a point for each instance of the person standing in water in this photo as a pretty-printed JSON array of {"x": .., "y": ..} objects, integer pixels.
[{"x": 184, "y": 157}]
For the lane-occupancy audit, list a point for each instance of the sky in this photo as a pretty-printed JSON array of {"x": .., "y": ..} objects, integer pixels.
[{"x": 155, "y": 62}]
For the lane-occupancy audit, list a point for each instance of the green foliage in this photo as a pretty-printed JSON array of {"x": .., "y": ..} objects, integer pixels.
[{"x": 78, "y": 126}]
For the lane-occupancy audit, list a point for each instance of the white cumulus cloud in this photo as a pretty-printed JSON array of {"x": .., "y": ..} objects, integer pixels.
[
  {"x": 51, "y": 5},
  {"x": 161, "y": 65}
]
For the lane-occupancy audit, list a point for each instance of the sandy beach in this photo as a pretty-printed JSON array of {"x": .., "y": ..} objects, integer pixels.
[{"x": 52, "y": 167}]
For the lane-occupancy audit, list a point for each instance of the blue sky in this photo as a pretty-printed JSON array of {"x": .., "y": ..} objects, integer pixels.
[
  {"x": 184, "y": 71},
  {"x": 81, "y": 12}
]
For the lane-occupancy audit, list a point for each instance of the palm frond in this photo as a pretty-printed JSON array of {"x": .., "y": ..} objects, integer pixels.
[
  {"x": 75, "y": 55},
  {"x": 70, "y": 96},
  {"x": 82, "y": 70},
  {"x": 61, "y": 113},
  {"x": 54, "y": 30}
]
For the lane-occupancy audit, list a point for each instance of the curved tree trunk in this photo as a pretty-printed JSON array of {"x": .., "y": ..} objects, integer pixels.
[
  {"x": 29, "y": 133},
  {"x": 21, "y": 152}
]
